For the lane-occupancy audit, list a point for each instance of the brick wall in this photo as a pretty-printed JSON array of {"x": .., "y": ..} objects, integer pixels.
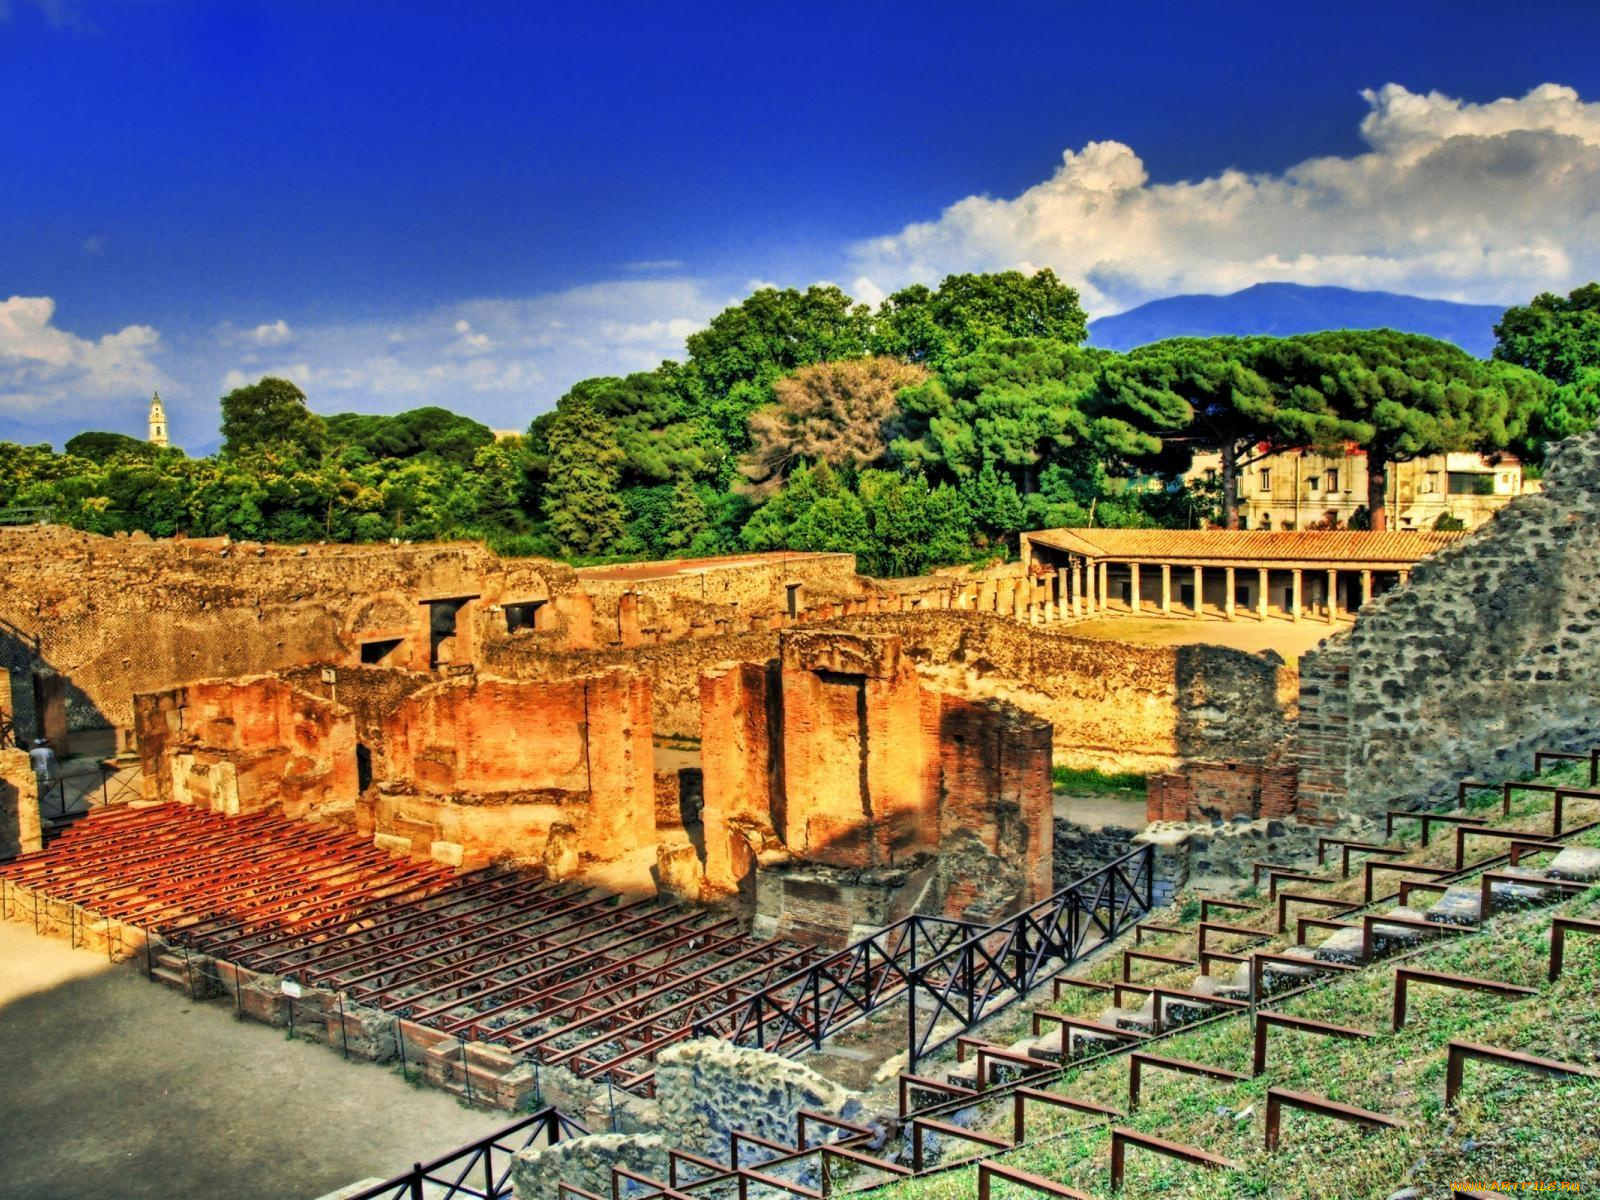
[{"x": 1205, "y": 791}]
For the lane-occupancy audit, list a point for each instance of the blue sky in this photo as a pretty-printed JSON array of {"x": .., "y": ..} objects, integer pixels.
[{"x": 477, "y": 204}]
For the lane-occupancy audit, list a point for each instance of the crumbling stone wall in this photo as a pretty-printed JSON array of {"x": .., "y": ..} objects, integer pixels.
[
  {"x": 1114, "y": 706},
  {"x": 705, "y": 1089},
  {"x": 1082, "y": 850},
  {"x": 242, "y": 745},
  {"x": 851, "y": 794},
  {"x": 1204, "y": 791},
  {"x": 1485, "y": 657},
  {"x": 19, "y": 805},
  {"x": 119, "y": 616},
  {"x": 483, "y": 768}
]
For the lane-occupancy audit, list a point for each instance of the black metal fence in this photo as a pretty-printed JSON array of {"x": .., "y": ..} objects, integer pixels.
[
  {"x": 802, "y": 1009},
  {"x": 74, "y": 793},
  {"x": 982, "y": 975},
  {"x": 958, "y": 969},
  {"x": 480, "y": 1170}
]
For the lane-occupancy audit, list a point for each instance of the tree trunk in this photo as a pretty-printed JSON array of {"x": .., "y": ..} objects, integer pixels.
[
  {"x": 1377, "y": 492},
  {"x": 1230, "y": 484}
]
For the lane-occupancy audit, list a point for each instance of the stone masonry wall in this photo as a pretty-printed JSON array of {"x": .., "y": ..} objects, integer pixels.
[
  {"x": 1487, "y": 656},
  {"x": 120, "y": 616},
  {"x": 705, "y": 1089},
  {"x": 1114, "y": 706},
  {"x": 19, "y": 805},
  {"x": 243, "y": 745}
]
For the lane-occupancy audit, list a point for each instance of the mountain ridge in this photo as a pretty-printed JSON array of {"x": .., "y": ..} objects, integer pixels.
[{"x": 1287, "y": 308}]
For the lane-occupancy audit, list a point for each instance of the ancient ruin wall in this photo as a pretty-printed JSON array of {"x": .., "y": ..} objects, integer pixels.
[
  {"x": 118, "y": 616},
  {"x": 20, "y": 831},
  {"x": 1114, "y": 706},
  {"x": 1488, "y": 655},
  {"x": 865, "y": 794},
  {"x": 242, "y": 745}
]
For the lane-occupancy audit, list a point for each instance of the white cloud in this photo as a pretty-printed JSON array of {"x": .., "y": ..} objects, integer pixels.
[
  {"x": 267, "y": 334},
  {"x": 274, "y": 334},
  {"x": 499, "y": 360},
  {"x": 1487, "y": 202},
  {"x": 45, "y": 369},
  {"x": 654, "y": 264}
]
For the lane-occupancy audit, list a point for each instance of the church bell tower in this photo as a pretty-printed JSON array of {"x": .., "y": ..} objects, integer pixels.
[{"x": 158, "y": 421}]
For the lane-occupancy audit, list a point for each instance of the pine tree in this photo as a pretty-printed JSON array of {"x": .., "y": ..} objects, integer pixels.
[{"x": 585, "y": 512}]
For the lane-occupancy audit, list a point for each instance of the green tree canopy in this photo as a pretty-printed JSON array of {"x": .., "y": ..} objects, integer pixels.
[
  {"x": 653, "y": 415},
  {"x": 431, "y": 430},
  {"x": 733, "y": 361},
  {"x": 270, "y": 414},
  {"x": 98, "y": 447},
  {"x": 1558, "y": 337},
  {"x": 1407, "y": 395},
  {"x": 585, "y": 512},
  {"x": 967, "y": 312},
  {"x": 1013, "y": 406},
  {"x": 1243, "y": 397}
]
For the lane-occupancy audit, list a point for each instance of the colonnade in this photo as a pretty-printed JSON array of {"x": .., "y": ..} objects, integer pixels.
[{"x": 1089, "y": 587}]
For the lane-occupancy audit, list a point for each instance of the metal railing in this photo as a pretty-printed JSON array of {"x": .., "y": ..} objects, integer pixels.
[
  {"x": 480, "y": 1170},
  {"x": 976, "y": 979},
  {"x": 74, "y": 794},
  {"x": 801, "y": 1010},
  {"x": 967, "y": 971}
]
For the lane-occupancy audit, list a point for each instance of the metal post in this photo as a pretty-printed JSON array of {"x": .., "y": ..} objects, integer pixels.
[
  {"x": 344, "y": 1034},
  {"x": 466, "y": 1073},
  {"x": 400, "y": 1036},
  {"x": 611, "y": 1102},
  {"x": 416, "y": 1181}
]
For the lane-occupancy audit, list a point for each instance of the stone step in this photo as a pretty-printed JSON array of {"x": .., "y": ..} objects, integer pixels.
[
  {"x": 1275, "y": 975},
  {"x": 1342, "y": 946},
  {"x": 174, "y": 979},
  {"x": 1578, "y": 863},
  {"x": 1387, "y": 939},
  {"x": 1507, "y": 895},
  {"x": 1462, "y": 904},
  {"x": 1140, "y": 1020}
]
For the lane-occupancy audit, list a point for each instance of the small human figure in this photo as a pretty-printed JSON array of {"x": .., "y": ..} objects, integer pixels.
[{"x": 43, "y": 760}]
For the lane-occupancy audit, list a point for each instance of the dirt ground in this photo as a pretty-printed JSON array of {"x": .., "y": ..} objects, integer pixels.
[
  {"x": 114, "y": 1086},
  {"x": 1287, "y": 638},
  {"x": 1122, "y": 809}
]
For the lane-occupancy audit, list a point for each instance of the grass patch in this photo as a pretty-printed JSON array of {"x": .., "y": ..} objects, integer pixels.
[{"x": 1091, "y": 781}]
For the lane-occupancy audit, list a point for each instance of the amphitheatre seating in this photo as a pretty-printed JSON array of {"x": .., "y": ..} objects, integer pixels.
[
  {"x": 1166, "y": 984},
  {"x": 1458, "y": 900}
]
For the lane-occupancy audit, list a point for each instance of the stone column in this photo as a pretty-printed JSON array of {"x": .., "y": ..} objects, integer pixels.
[
  {"x": 1227, "y": 593},
  {"x": 1366, "y": 588},
  {"x": 1166, "y": 587},
  {"x": 1294, "y": 599},
  {"x": 1199, "y": 591},
  {"x": 1105, "y": 579},
  {"x": 1261, "y": 593},
  {"x": 1133, "y": 588},
  {"x": 1333, "y": 596},
  {"x": 1405, "y": 578}
]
